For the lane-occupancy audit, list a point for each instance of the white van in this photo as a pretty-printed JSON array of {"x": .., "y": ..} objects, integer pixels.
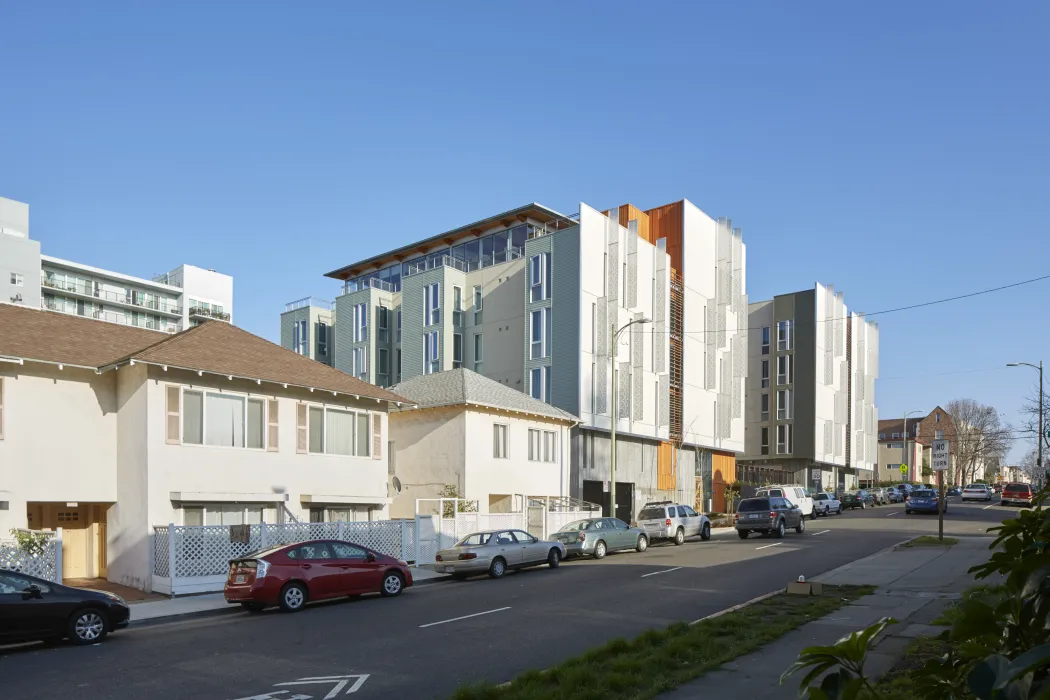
[{"x": 796, "y": 494}]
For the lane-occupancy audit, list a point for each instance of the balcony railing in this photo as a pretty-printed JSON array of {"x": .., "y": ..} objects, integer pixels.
[
  {"x": 358, "y": 285},
  {"x": 462, "y": 265},
  {"x": 309, "y": 301},
  {"x": 204, "y": 312},
  {"x": 135, "y": 299},
  {"x": 155, "y": 324}
]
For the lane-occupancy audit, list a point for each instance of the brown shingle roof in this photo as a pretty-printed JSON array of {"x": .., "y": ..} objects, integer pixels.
[{"x": 213, "y": 346}]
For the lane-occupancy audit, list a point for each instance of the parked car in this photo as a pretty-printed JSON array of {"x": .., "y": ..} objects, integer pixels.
[
  {"x": 977, "y": 492},
  {"x": 953, "y": 491},
  {"x": 923, "y": 501},
  {"x": 496, "y": 551},
  {"x": 664, "y": 520},
  {"x": 894, "y": 496},
  {"x": 795, "y": 494},
  {"x": 997, "y": 488},
  {"x": 291, "y": 575},
  {"x": 32, "y": 608},
  {"x": 826, "y": 504},
  {"x": 1018, "y": 493},
  {"x": 880, "y": 495},
  {"x": 768, "y": 514},
  {"x": 596, "y": 537},
  {"x": 858, "y": 499}
]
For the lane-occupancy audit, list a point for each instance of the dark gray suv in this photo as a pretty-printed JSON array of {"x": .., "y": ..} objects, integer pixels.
[{"x": 768, "y": 515}]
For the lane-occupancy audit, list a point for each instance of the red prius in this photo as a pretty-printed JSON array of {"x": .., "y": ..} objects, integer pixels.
[{"x": 293, "y": 574}]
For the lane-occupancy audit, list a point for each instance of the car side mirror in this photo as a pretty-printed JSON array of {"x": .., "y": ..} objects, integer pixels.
[
  {"x": 33, "y": 591},
  {"x": 371, "y": 557}
]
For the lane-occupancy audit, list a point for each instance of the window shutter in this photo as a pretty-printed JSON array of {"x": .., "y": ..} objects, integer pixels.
[
  {"x": 271, "y": 425},
  {"x": 377, "y": 436},
  {"x": 171, "y": 431},
  {"x": 300, "y": 428}
]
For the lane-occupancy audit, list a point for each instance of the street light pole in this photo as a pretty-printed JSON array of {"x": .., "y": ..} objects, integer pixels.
[
  {"x": 614, "y": 338},
  {"x": 1039, "y": 438},
  {"x": 904, "y": 447}
]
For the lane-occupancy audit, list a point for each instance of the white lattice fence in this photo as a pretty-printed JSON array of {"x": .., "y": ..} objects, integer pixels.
[
  {"x": 43, "y": 559},
  {"x": 206, "y": 550},
  {"x": 161, "y": 553}
]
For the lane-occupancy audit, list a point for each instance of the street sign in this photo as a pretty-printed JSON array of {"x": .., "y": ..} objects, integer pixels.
[
  {"x": 904, "y": 469},
  {"x": 941, "y": 455}
]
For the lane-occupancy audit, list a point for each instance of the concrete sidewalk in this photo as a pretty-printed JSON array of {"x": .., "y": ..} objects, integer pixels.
[
  {"x": 914, "y": 586},
  {"x": 154, "y": 612}
]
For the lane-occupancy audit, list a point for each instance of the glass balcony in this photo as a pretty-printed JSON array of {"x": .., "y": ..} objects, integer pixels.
[
  {"x": 309, "y": 301},
  {"x": 85, "y": 288},
  {"x": 205, "y": 312}
]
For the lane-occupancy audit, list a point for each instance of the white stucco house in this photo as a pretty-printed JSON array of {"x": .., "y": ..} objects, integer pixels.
[
  {"x": 493, "y": 443},
  {"x": 107, "y": 431}
]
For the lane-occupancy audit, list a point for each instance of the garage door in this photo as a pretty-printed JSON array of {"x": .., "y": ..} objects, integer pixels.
[{"x": 594, "y": 491}]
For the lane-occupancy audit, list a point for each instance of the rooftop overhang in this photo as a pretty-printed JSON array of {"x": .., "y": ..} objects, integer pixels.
[{"x": 533, "y": 211}]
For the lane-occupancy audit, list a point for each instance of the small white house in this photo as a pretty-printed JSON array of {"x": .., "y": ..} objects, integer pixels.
[
  {"x": 489, "y": 441},
  {"x": 107, "y": 431}
]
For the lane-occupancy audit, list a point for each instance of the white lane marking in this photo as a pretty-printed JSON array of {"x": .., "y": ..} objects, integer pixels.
[
  {"x": 820, "y": 533},
  {"x": 896, "y": 512},
  {"x": 457, "y": 619},
  {"x": 986, "y": 507},
  {"x": 665, "y": 571},
  {"x": 767, "y": 546}
]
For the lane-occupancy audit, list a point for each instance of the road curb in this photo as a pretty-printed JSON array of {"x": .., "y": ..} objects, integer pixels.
[
  {"x": 234, "y": 608},
  {"x": 734, "y": 608}
]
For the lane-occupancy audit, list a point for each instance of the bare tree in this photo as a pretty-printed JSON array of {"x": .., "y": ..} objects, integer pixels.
[
  {"x": 1030, "y": 413},
  {"x": 1028, "y": 465},
  {"x": 978, "y": 437}
]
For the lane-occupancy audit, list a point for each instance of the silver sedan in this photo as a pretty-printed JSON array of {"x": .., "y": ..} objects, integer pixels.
[{"x": 496, "y": 551}]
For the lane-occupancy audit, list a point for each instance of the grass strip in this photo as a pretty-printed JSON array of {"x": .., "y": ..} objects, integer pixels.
[
  {"x": 662, "y": 659},
  {"x": 901, "y": 682},
  {"x": 976, "y": 592},
  {"x": 929, "y": 541}
]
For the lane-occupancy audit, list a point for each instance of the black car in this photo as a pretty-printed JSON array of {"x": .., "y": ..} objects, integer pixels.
[{"x": 32, "y": 609}]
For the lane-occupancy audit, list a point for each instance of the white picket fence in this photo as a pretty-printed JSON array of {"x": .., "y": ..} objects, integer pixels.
[{"x": 42, "y": 559}]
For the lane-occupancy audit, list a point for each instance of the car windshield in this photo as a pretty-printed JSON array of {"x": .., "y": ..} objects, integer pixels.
[
  {"x": 1018, "y": 487},
  {"x": 975, "y": 486},
  {"x": 652, "y": 513},
  {"x": 577, "y": 526},
  {"x": 923, "y": 493},
  {"x": 753, "y": 504},
  {"x": 851, "y": 494},
  {"x": 474, "y": 540},
  {"x": 820, "y": 497}
]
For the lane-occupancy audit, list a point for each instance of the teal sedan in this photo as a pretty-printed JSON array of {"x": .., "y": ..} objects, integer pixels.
[{"x": 596, "y": 537}]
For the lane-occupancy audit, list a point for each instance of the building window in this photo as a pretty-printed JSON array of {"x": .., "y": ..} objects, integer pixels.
[
  {"x": 937, "y": 418},
  {"x": 895, "y": 436},
  {"x": 256, "y": 428},
  {"x": 384, "y": 362},
  {"x": 783, "y": 439},
  {"x": 540, "y": 383},
  {"x": 17, "y": 280},
  {"x": 477, "y": 305},
  {"x": 397, "y": 359},
  {"x": 339, "y": 431},
  {"x": 765, "y": 340},
  {"x": 224, "y": 420},
  {"x": 540, "y": 333},
  {"x": 193, "y": 417},
  {"x": 784, "y": 404},
  {"x": 398, "y": 339},
  {"x": 360, "y": 368},
  {"x": 478, "y": 356},
  {"x": 499, "y": 441},
  {"x": 784, "y": 341},
  {"x": 383, "y": 323},
  {"x": 765, "y": 441},
  {"x": 765, "y": 374},
  {"x": 882, "y": 435},
  {"x": 539, "y": 277},
  {"x": 784, "y": 369},
  {"x": 322, "y": 338},
  {"x": 300, "y": 338},
  {"x": 432, "y": 303},
  {"x": 457, "y": 307},
  {"x": 457, "y": 351},
  {"x": 431, "y": 353},
  {"x": 765, "y": 407},
  {"x": 360, "y": 322},
  {"x": 542, "y": 445},
  {"x": 594, "y": 329}
]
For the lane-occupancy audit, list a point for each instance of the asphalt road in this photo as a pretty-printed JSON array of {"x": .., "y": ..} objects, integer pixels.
[{"x": 433, "y": 638}]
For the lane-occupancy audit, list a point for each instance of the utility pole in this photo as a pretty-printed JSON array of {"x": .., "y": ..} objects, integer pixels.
[
  {"x": 1040, "y": 437},
  {"x": 614, "y": 336},
  {"x": 904, "y": 448}
]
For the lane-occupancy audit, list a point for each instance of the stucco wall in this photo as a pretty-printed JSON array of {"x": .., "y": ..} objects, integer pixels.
[
  {"x": 429, "y": 446},
  {"x": 129, "y": 528}
]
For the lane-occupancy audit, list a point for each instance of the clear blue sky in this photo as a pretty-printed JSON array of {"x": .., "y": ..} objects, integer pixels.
[{"x": 896, "y": 150}]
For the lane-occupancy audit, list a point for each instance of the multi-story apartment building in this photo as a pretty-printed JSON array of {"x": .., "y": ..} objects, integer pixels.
[
  {"x": 308, "y": 327},
  {"x": 170, "y": 302},
  {"x": 899, "y": 444},
  {"x": 540, "y": 302},
  {"x": 810, "y": 391}
]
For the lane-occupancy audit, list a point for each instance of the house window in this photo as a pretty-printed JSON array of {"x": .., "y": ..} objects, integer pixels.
[
  {"x": 457, "y": 307},
  {"x": 882, "y": 435},
  {"x": 539, "y": 277},
  {"x": 316, "y": 430},
  {"x": 784, "y": 369},
  {"x": 338, "y": 430},
  {"x": 765, "y": 407},
  {"x": 222, "y": 514},
  {"x": 784, "y": 341},
  {"x": 457, "y": 351},
  {"x": 765, "y": 374},
  {"x": 364, "y": 435},
  {"x": 383, "y": 323},
  {"x": 542, "y": 445},
  {"x": 765, "y": 441},
  {"x": 431, "y": 353},
  {"x": 432, "y": 303},
  {"x": 300, "y": 338},
  {"x": 937, "y": 418},
  {"x": 193, "y": 417},
  {"x": 784, "y": 404},
  {"x": 256, "y": 428},
  {"x": 322, "y": 338},
  {"x": 895, "y": 436},
  {"x": 477, "y": 304},
  {"x": 478, "y": 356},
  {"x": 17, "y": 280},
  {"x": 384, "y": 362},
  {"x": 540, "y": 333},
  {"x": 224, "y": 420},
  {"x": 765, "y": 340},
  {"x": 360, "y": 368},
  {"x": 540, "y": 383},
  {"x": 499, "y": 441},
  {"x": 360, "y": 322},
  {"x": 783, "y": 439}
]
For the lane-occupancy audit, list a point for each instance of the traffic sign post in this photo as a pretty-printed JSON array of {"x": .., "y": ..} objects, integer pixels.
[{"x": 942, "y": 457}]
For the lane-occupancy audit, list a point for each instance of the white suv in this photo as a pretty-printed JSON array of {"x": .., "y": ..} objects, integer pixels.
[
  {"x": 664, "y": 520},
  {"x": 795, "y": 494}
]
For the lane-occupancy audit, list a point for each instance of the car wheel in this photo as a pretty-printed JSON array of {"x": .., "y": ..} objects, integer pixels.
[
  {"x": 812, "y": 514},
  {"x": 743, "y": 534},
  {"x": 679, "y": 537},
  {"x": 393, "y": 584},
  {"x": 801, "y": 527},
  {"x": 643, "y": 543},
  {"x": 907, "y": 512},
  {"x": 553, "y": 558},
  {"x": 293, "y": 597},
  {"x": 600, "y": 549},
  {"x": 863, "y": 505},
  {"x": 253, "y": 607},
  {"x": 779, "y": 532},
  {"x": 705, "y": 534},
  {"x": 497, "y": 568},
  {"x": 87, "y": 626}
]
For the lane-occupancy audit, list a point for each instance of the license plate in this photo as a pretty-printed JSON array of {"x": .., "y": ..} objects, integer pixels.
[
  {"x": 450, "y": 569},
  {"x": 755, "y": 517},
  {"x": 238, "y": 579}
]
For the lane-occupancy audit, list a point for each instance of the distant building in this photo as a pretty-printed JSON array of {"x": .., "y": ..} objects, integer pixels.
[
  {"x": 308, "y": 328},
  {"x": 170, "y": 302}
]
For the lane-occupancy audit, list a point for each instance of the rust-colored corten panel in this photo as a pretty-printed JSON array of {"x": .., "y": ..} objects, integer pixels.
[
  {"x": 723, "y": 473},
  {"x": 666, "y": 222},
  {"x": 665, "y": 480},
  {"x": 629, "y": 212}
]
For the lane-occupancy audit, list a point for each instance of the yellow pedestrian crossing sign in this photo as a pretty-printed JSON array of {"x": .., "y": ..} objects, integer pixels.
[{"x": 904, "y": 469}]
